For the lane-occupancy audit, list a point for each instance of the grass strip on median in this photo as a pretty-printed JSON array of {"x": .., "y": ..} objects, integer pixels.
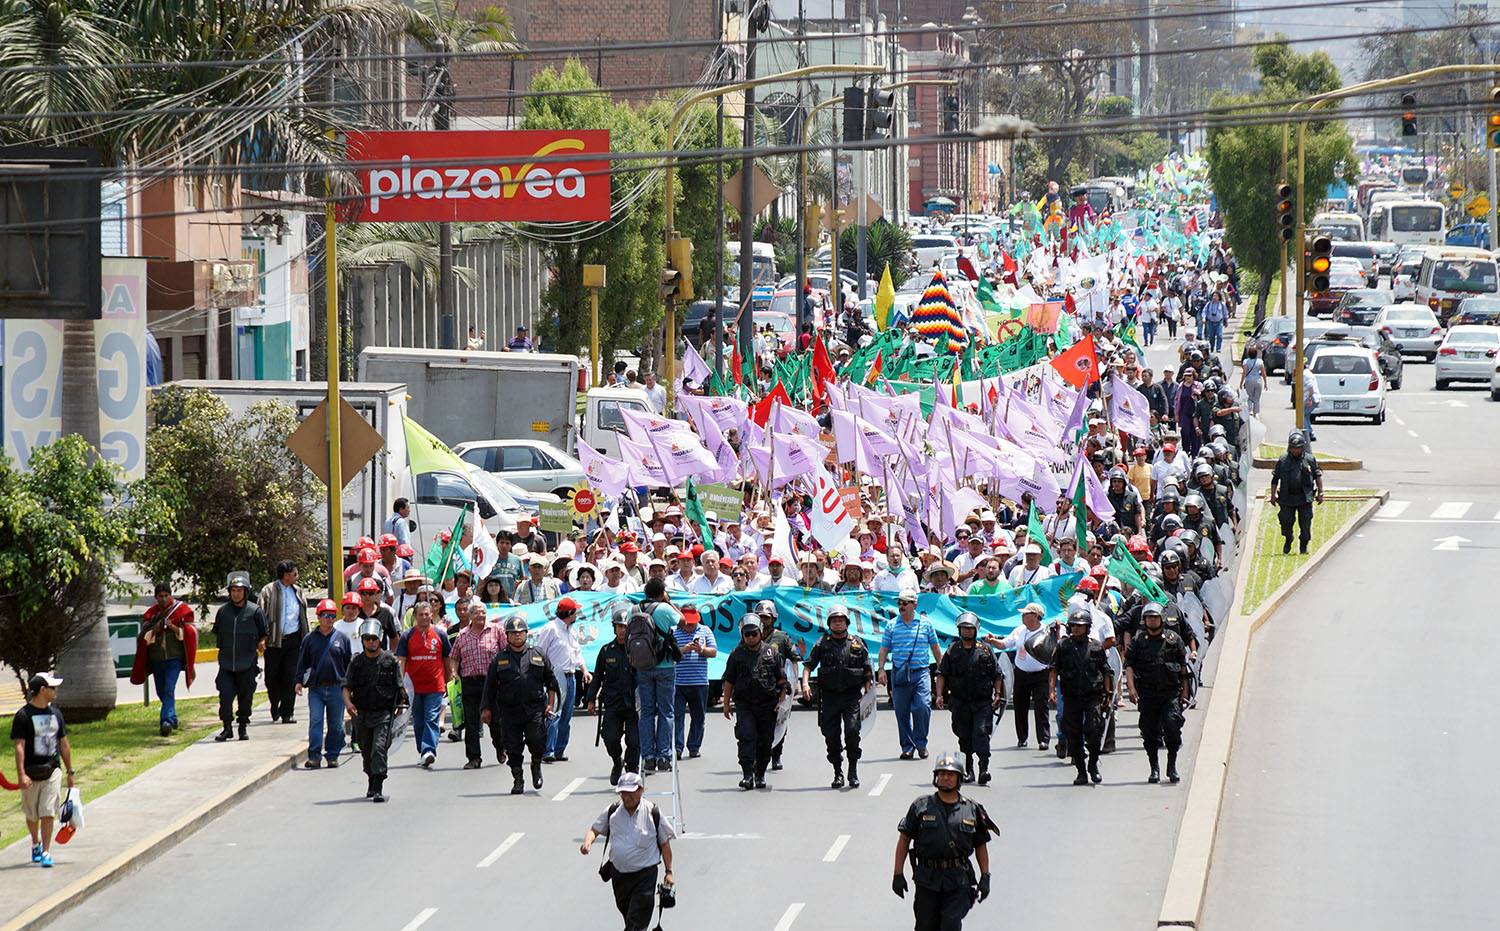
[
  {"x": 1269, "y": 567},
  {"x": 1277, "y": 450},
  {"x": 109, "y": 753}
]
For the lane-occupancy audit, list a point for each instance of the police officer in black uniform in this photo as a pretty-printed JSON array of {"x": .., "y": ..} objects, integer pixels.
[
  {"x": 1082, "y": 671},
  {"x": 516, "y": 689},
  {"x": 1130, "y": 512},
  {"x": 774, "y": 636},
  {"x": 1296, "y": 482},
  {"x": 374, "y": 694},
  {"x": 613, "y": 686},
  {"x": 939, "y": 833},
  {"x": 1155, "y": 664},
  {"x": 755, "y": 674},
  {"x": 969, "y": 683},
  {"x": 1206, "y": 484},
  {"x": 843, "y": 666}
]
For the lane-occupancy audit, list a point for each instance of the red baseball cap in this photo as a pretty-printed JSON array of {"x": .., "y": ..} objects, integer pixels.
[
  {"x": 567, "y": 604},
  {"x": 405, "y": 551},
  {"x": 697, "y": 550},
  {"x": 777, "y": 560},
  {"x": 1171, "y": 446},
  {"x": 629, "y": 547},
  {"x": 368, "y": 585},
  {"x": 690, "y": 610}
]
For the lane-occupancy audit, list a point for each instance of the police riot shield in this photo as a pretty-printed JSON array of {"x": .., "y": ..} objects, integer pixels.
[
  {"x": 1217, "y": 594},
  {"x": 1192, "y": 612},
  {"x": 1007, "y": 672},
  {"x": 1257, "y": 435},
  {"x": 783, "y": 717},
  {"x": 1226, "y": 535},
  {"x": 867, "y": 713}
]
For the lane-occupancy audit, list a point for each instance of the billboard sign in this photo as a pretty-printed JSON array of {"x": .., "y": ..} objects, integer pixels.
[{"x": 481, "y": 176}]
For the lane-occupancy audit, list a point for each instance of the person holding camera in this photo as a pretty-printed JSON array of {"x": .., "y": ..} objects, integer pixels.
[{"x": 637, "y": 840}]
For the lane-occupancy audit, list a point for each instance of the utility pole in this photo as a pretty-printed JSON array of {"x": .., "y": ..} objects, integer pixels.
[
  {"x": 719, "y": 201},
  {"x": 861, "y": 181},
  {"x": 804, "y": 122},
  {"x": 745, "y": 335},
  {"x": 442, "y": 116}
]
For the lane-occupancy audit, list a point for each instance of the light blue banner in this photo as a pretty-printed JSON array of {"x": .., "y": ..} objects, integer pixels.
[{"x": 801, "y": 614}]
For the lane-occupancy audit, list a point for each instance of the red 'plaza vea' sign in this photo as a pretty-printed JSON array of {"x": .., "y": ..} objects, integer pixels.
[{"x": 481, "y": 175}]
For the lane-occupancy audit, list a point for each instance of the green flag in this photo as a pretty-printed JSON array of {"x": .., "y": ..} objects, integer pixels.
[
  {"x": 1081, "y": 508},
  {"x": 1035, "y": 533},
  {"x": 1123, "y": 566},
  {"x": 693, "y": 511},
  {"x": 441, "y": 559}
]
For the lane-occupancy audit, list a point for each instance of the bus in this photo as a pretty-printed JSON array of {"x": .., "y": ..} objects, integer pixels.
[{"x": 1411, "y": 222}]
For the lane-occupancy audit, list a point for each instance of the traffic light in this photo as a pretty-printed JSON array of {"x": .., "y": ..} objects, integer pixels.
[
  {"x": 1493, "y": 133},
  {"x": 950, "y": 114},
  {"x": 1408, "y": 115},
  {"x": 879, "y": 115},
  {"x": 854, "y": 114},
  {"x": 1286, "y": 222},
  {"x": 1319, "y": 261},
  {"x": 680, "y": 260}
]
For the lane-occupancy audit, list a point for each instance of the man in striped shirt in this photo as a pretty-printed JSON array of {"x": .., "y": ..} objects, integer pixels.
[
  {"x": 473, "y": 648},
  {"x": 907, "y": 643},
  {"x": 697, "y": 643}
]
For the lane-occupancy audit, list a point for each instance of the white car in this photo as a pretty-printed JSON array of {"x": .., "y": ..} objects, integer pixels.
[
  {"x": 1348, "y": 383},
  {"x": 530, "y": 464},
  {"x": 931, "y": 247},
  {"x": 1495, "y": 385},
  {"x": 1414, "y": 328},
  {"x": 1468, "y": 353}
]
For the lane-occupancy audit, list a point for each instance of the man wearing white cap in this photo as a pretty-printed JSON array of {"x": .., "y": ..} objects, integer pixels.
[
  {"x": 1029, "y": 693},
  {"x": 1030, "y": 571},
  {"x": 538, "y": 585},
  {"x": 637, "y": 840}
]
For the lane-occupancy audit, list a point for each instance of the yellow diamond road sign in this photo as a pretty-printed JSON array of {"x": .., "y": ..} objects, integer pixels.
[{"x": 1479, "y": 206}]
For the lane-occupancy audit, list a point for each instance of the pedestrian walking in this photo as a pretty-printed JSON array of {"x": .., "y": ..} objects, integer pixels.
[
  {"x": 696, "y": 642},
  {"x": 1296, "y": 484},
  {"x": 322, "y": 664},
  {"x": 240, "y": 631},
  {"x": 1212, "y": 316},
  {"x": 772, "y": 634},
  {"x": 939, "y": 834},
  {"x": 43, "y": 756},
  {"x": 1155, "y": 663},
  {"x": 654, "y": 656},
  {"x": 521, "y": 690},
  {"x": 423, "y": 653},
  {"x": 166, "y": 648},
  {"x": 1252, "y": 377},
  {"x": 843, "y": 666},
  {"x": 1081, "y": 671},
  {"x": 755, "y": 674},
  {"x": 285, "y": 608},
  {"x": 908, "y": 643},
  {"x": 969, "y": 684},
  {"x": 611, "y": 695},
  {"x": 375, "y": 696},
  {"x": 637, "y": 841},
  {"x": 1029, "y": 692},
  {"x": 556, "y": 642},
  {"x": 468, "y": 661}
]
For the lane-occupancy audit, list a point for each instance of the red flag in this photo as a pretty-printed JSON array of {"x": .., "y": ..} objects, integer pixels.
[
  {"x": 1070, "y": 305},
  {"x": 1079, "y": 365},
  {"x": 1010, "y": 268},
  {"x": 875, "y": 367},
  {"x": 967, "y": 267},
  {"x": 736, "y": 364},
  {"x": 1192, "y": 224},
  {"x": 760, "y": 411}
]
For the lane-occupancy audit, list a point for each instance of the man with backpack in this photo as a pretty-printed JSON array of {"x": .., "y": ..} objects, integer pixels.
[
  {"x": 654, "y": 654},
  {"x": 637, "y": 840}
]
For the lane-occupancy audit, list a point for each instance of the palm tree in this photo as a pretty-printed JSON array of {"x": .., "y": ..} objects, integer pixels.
[{"x": 63, "y": 53}]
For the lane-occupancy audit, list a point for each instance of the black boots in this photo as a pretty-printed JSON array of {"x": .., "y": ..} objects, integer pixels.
[
  {"x": 968, "y": 767},
  {"x": 244, "y": 732},
  {"x": 1286, "y": 545},
  {"x": 375, "y": 786},
  {"x": 1094, "y": 771},
  {"x": 1172, "y": 776},
  {"x": 614, "y": 772},
  {"x": 223, "y": 735},
  {"x": 748, "y": 782},
  {"x": 519, "y": 786},
  {"x": 984, "y": 770},
  {"x": 853, "y": 774},
  {"x": 1155, "y": 767},
  {"x": 536, "y": 774},
  {"x": 1082, "y": 779},
  {"x": 838, "y": 779}
]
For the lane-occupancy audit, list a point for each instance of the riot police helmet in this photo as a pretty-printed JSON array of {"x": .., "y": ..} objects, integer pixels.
[
  {"x": 766, "y": 608},
  {"x": 516, "y": 624},
  {"x": 967, "y": 619},
  {"x": 1194, "y": 500},
  {"x": 835, "y": 609},
  {"x": 1080, "y": 614},
  {"x": 1169, "y": 559},
  {"x": 948, "y": 762},
  {"x": 370, "y": 627},
  {"x": 1151, "y": 608}
]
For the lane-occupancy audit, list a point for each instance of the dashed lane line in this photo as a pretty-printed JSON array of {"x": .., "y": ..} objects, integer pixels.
[
  {"x": 570, "y": 788},
  {"x": 790, "y": 915},
  {"x": 499, "y": 852},
  {"x": 880, "y": 784},
  {"x": 420, "y": 920},
  {"x": 838, "y": 847}
]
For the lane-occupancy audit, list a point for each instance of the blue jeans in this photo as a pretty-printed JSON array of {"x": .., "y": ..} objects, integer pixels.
[
  {"x": 913, "y": 704},
  {"x": 1148, "y": 331},
  {"x": 560, "y": 728},
  {"x": 1213, "y": 333},
  {"x": 426, "y": 712},
  {"x": 164, "y": 675},
  {"x": 325, "y": 703},
  {"x": 692, "y": 700},
  {"x": 655, "y": 691}
]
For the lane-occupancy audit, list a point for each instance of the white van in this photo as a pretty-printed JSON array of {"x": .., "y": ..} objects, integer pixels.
[
  {"x": 1449, "y": 275},
  {"x": 762, "y": 261},
  {"x": 932, "y": 247},
  {"x": 1410, "y": 220},
  {"x": 1345, "y": 227}
]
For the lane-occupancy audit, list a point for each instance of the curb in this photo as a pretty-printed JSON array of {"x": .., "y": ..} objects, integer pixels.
[
  {"x": 1328, "y": 465},
  {"x": 143, "y": 851},
  {"x": 1187, "y": 880}
]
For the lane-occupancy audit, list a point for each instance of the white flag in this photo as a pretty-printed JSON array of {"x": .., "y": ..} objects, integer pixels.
[
  {"x": 1129, "y": 409},
  {"x": 831, "y": 521}
]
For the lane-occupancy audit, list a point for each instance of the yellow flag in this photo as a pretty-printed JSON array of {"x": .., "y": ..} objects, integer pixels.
[{"x": 885, "y": 299}]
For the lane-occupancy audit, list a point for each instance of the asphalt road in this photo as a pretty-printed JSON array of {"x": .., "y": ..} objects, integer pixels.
[
  {"x": 453, "y": 850},
  {"x": 1358, "y": 790}
]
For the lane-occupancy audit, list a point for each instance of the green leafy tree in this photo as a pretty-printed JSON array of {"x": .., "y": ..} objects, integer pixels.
[
  {"x": 1244, "y": 161},
  {"x": 884, "y": 243},
  {"x": 242, "y": 499},
  {"x": 65, "y": 522}
]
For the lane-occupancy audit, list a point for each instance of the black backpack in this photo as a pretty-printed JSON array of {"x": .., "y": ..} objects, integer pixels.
[{"x": 645, "y": 643}]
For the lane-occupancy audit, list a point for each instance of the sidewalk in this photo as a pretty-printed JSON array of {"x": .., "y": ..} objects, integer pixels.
[{"x": 146, "y": 816}]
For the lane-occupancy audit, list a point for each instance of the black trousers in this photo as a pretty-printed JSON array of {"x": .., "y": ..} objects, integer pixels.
[
  {"x": 1030, "y": 697},
  {"x": 622, "y": 722},
  {"x": 838, "y": 719},
  {"x": 972, "y": 724},
  {"x": 281, "y": 675},
  {"x": 941, "y": 909},
  {"x": 372, "y": 730},
  {"x": 754, "y": 726},
  {"x": 235, "y": 687},
  {"x": 523, "y": 727},
  {"x": 1083, "y": 725},
  {"x": 1161, "y": 720},
  {"x": 1302, "y": 515},
  {"x": 473, "y": 696},
  {"x": 635, "y": 897}
]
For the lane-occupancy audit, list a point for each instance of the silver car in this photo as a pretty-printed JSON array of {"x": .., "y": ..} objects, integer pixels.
[
  {"x": 530, "y": 464},
  {"x": 1412, "y": 327},
  {"x": 1468, "y": 353}
]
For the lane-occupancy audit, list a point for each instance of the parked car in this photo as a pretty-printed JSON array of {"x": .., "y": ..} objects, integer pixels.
[
  {"x": 529, "y": 464},
  {"x": 1413, "y": 327},
  {"x": 1272, "y": 336},
  {"x": 1359, "y": 307},
  {"x": 1348, "y": 384},
  {"x": 1468, "y": 353},
  {"x": 1476, "y": 311}
]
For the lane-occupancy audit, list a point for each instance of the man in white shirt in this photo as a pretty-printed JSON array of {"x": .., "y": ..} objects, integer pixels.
[
  {"x": 1062, "y": 524},
  {"x": 967, "y": 562},
  {"x": 1068, "y": 559},
  {"x": 684, "y": 575},
  {"x": 1031, "y": 570},
  {"x": 776, "y": 576},
  {"x": 734, "y": 543},
  {"x": 897, "y": 574},
  {"x": 1029, "y": 692},
  {"x": 616, "y": 582},
  {"x": 655, "y": 393},
  {"x": 712, "y": 581},
  {"x": 555, "y": 641},
  {"x": 1168, "y": 464}
]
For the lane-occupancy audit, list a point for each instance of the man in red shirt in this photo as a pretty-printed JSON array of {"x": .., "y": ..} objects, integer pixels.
[{"x": 423, "y": 653}]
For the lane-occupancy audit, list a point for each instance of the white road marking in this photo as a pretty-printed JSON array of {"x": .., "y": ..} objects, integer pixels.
[
  {"x": 880, "y": 784},
  {"x": 1411, "y": 433},
  {"x": 1427, "y": 449},
  {"x": 1448, "y": 544},
  {"x": 1428, "y": 520},
  {"x": 1399, "y": 421},
  {"x": 420, "y": 920},
  {"x": 691, "y": 836},
  {"x": 1497, "y": 515},
  {"x": 1451, "y": 510},
  {"x": 790, "y": 915},
  {"x": 499, "y": 852},
  {"x": 1392, "y": 509},
  {"x": 570, "y": 788},
  {"x": 837, "y": 848}
]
